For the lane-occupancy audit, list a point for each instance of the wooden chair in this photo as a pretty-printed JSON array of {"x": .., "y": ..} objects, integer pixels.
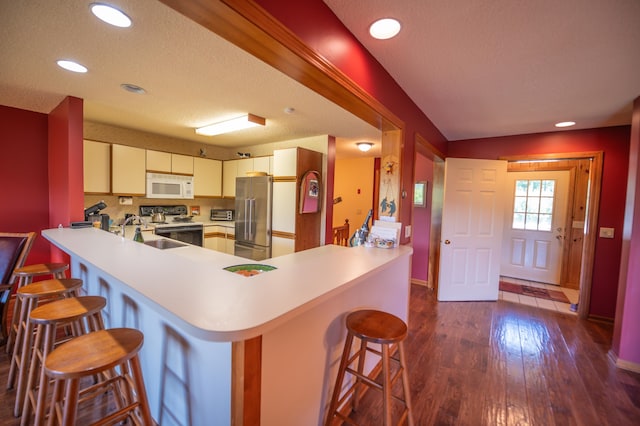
[
  {"x": 14, "y": 249},
  {"x": 341, "y": 234}
]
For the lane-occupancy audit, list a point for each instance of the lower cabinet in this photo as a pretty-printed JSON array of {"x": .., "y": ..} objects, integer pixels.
[{"x": 219, "y": 238}]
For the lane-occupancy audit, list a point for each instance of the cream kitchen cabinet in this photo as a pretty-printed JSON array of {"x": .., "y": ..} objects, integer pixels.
[
  {"x": 128, "y": 170},
  {"x": 239, "y": 168},
  {"x": 207, "y": 177},
  {"x": 158, "y": 161},
  {"x": 167, "y": 162},
  {"x": 182, "y": 164},
  {"x": 97, "y": 167},
  {"x": 219, "y": 238},
  {"x": 229, "y": 173}
]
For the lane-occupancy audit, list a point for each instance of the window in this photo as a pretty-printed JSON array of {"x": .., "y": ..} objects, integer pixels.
[{"x": 533, "y": 204}]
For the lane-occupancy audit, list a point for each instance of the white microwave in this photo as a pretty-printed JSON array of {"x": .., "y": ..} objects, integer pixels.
[{"x": 160, "y": 185}]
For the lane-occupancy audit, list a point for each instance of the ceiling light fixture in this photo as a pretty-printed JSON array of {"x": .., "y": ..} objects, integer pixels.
[
  {"x": 228, "y": 126},
  {"x": 384, "y": 29},
  {"x": 71, "y": 66},
  {"x": 566, "y": 124},
  {"x": 110, "y": 15},
  {"x": 364, "y": 146}
]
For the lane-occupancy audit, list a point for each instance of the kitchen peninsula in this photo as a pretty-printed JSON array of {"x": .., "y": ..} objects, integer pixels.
[{"x": 202, "y": 324}]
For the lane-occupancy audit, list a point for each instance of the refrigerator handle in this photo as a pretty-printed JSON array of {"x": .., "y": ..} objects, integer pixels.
[
  {"x": 246, "y": 209},
  {"x": 252, "y": 203}
]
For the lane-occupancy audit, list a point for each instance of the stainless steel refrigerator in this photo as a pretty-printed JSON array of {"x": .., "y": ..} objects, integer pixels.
[{"x": 253, "y": 217}]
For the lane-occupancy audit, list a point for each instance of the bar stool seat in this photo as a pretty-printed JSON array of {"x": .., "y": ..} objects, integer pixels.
[
  {"x": 84, "y": 314},
  {"x": 389, "y": 331},
  {"x": 27, "y": 299},
  {"x": 27, "y": 273},
  {"x": 24, "y": 276},
  {"x": 92, "y": 354}
]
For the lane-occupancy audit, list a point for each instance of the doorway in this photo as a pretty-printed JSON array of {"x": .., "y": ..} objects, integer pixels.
[{"x": 583, "y": 206}]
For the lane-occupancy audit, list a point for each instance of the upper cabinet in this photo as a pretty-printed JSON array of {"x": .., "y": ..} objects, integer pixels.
[
  {"x": 128, "y": 170},
  {"x": 97, "y": 167},
  {"x": 158, "y": 161},
  {"x": 166, "y": 162},
  {"x": 181, "y": 164},
  {"x": 238, "y": 168},
  {"x": 285, "y": 162},
  {"x": 207, "y": 177}
]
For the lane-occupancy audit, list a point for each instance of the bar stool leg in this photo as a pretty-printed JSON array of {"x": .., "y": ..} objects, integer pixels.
[
  {"x": 344, "y": 360},
  {"x": 145, "y": 412},
  {"x": 386, "y": 386},
  {"x": 405, "y": 383}
]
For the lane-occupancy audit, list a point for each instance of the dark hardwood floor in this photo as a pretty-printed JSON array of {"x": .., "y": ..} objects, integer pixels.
[{"x": 494, "y": 363}]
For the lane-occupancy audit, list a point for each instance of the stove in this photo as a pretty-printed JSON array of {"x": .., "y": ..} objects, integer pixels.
[{"x": 178, "y": 225}]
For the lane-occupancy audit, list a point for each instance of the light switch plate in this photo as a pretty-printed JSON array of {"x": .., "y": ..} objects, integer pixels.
[
  {"x": 407, "y": 231},
  {"x": 125, "y": 201},
  {"x": 606, "y": 232}
]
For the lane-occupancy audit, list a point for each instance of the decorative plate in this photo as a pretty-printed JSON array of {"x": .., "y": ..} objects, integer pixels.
[{"x": 250, "y": 269}]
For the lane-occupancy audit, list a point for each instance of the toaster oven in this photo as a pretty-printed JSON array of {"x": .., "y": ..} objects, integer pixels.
[{"x": 221, "y": 215}]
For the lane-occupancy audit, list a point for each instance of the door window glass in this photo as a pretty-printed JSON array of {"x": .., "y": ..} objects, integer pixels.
[{"x": 533, "y": 204}]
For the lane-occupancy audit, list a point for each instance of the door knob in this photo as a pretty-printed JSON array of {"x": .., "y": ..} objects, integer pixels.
[{"x": 447, "y": 242}]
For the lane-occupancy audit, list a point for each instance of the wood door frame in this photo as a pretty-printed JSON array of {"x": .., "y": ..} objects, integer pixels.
[
  {"x": 423, "y": 147},
  {"x": 591, "y": 216}
]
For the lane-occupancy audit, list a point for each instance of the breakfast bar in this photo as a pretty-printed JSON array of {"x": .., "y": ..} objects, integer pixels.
[{"x": 228, "y": 348}]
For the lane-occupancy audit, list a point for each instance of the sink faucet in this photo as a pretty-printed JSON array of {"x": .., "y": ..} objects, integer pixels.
[{"x": 131, "y": 219}]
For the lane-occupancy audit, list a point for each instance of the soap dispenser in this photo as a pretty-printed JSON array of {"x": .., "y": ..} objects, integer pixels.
[{"x": 138, "y": 235}]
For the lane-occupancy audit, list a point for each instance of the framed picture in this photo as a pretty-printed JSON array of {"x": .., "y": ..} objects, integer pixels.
[{"x": 420, "y": 194}]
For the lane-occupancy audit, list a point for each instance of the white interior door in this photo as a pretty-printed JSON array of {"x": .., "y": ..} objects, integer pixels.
[
  {"x": 534, "y": 227},
  {"x": 472, "y": 224}
]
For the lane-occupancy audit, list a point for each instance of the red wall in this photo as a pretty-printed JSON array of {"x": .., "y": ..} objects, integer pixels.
[
  {"x": 24, "y": 188},
  {"x": 317, "y": 26},
  {"x": 614, "y": 142}
]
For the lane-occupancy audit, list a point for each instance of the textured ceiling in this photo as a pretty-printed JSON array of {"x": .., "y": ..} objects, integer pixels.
[
  {"x": 482, "y": 68},
  {"x": 192, "y": 76}
]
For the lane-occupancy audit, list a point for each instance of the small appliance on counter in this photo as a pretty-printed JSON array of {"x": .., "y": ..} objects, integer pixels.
[
  {"x": 226, "y": 215},
  {"x": 92, "y": 214},
  {"x": 178, "y": 225}
]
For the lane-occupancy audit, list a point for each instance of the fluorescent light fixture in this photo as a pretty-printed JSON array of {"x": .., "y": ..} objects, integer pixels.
[
  {"x": 566, "y": 124},
  {"x": 364, "y": 146},
  {"x": 110, "y": 15},
  {"x": 228, "y": 126},
  {"x": 71, "y": 66},
  {"x": 384, "y": 29}
]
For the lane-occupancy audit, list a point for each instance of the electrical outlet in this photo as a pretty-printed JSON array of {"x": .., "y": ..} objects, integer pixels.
[{"x": 125, "y": 201}]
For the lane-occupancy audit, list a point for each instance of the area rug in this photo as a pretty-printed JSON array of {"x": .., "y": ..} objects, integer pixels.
[{"x": 541, "y": 293}]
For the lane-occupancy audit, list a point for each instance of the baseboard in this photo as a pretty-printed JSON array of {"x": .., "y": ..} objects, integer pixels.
[
  {"x": 419, "y": 282},
  {"x": 598, "y": 318},
  {"x": 624, "y": 365}
]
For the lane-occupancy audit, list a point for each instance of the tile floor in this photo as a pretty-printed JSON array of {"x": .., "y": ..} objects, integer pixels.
[{"x": 572, "y": 295}]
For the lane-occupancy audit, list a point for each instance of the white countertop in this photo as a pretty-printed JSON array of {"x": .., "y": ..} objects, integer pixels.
[{"x": 190, "y": 283}]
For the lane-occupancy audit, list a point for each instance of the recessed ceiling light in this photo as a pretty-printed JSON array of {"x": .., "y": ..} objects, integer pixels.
[
  {"x": 384, "y": 29},
  {"x": 71, "y": 66},
  {"x": 364, "y": 146},
  {"x": 133, "y": 88},
  {"x": 566, "y": 124},
  {"x": 110, "y": 15}
]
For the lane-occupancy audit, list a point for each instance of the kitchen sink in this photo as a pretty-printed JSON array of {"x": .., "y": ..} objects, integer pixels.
[{"x": 164, "y": 244}]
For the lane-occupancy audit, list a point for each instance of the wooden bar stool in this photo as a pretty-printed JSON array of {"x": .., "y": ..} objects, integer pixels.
[
  {"x": 28, "y": 298},
  {"x": 84, "y": 314},
  {"x": 24, "y": 276},
  {"x": 92, "y": 354},
  {"x": 373, "y": 327}
]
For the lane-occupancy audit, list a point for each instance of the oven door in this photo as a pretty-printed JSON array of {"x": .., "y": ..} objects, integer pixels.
[{"x": 190, "y": 234}]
